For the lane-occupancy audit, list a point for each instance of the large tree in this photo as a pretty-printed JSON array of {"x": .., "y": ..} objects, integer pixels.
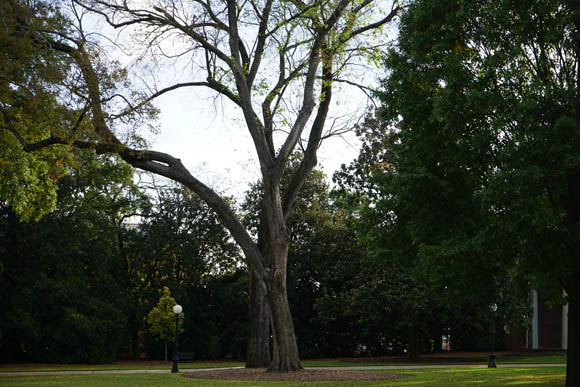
[
  {"x": 486, "y": 97},
  {"x": 324, "y": 261},
  {"x": 26, "y": 180},
  {"x": 256, "y": 54},
  {"x": 63, "y": 289},
  {"x": 430, "y": 265}
]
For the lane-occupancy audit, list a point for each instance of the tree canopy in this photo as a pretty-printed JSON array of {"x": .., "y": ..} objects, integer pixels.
[
  {"x": 233, "y": 46},
  {"x": 483, "y": 101}
]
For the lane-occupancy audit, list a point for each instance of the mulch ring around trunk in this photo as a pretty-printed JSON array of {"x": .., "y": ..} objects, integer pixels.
[{"x": 305, "y": 375}]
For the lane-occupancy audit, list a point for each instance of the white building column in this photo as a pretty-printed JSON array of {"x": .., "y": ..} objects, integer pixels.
[{"x": 564, "y": 323}]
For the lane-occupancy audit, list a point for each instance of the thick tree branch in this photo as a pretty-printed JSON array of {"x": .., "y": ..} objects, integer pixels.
[
  {"x": 308, "y": 98},
  {"x": 264, "y": 17},
  {"x": 309, "y": 161},
  {"x": 168, "y": 166},
  {"x": 254, "y": 126}
]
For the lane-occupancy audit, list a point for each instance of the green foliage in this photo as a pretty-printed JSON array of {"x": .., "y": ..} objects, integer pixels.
[
  {"x": 323, "y": 261},
  {"x": 41, "y": 99},
  {"x": 29, "y": 105},
  {"x": 180, "y": 244},
  {"x": 62, "y": 290},
  {"x": 466, "y": 188},
  {"x": 219, "y": 328},
  {"x": 78, "y": 285},
  {"x": 485, "y": 100},
  {"x": 26, "y": 183},
  {"x": 161, "y": 319},
  {"x": 426, "y": 257}
]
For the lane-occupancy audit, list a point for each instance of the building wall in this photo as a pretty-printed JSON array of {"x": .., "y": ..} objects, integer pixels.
[
  {"x": 549, "y": 325},
  {"x": 549, "y": 328}
]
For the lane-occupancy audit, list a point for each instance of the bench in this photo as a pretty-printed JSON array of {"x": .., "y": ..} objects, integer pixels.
[{"x": 185, "y": 355}]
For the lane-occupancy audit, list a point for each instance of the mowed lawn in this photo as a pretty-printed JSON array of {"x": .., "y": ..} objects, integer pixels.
[
  {"x": 556, "y": 357},
  {"x": 551, "y": 376}
]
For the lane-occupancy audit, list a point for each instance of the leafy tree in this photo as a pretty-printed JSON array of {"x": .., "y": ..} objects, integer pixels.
[
  {"x": 161, "y": 319},
  {"x": 63, "y": 295},
  {"x": 323, "y": 261},
  {"x": 314, "y": 46},
  {"x": 27, "y": 105},
  {"x": 182, "y": 240},
  {"x": 424, "y": 243},
  {"x": 180, "y": 243},
  {"x": 484, "y": 99},
  {"x": 218, "y": 328}
]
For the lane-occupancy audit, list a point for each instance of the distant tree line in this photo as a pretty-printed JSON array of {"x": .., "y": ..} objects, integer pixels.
[
  {"x": 77, "y": 285},
  {"x": 466, "y": 193}
]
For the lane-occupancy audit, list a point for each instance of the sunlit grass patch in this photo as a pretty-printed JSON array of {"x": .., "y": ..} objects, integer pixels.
[{"x": 551, "y": 376}]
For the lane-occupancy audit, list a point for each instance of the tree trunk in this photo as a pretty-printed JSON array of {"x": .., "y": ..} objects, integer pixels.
[
  {"x": 437, "y": 343},
  {"x": 258, "y": 351},
  {"x": 413, "y": 346},
  {"x": 573, "y": 353},
  {"x": 274, "y": 250},
  {"x": 165, "y": 350},
  {"x": 285, "y": 355},
  {"x": 573, "y": 284}
]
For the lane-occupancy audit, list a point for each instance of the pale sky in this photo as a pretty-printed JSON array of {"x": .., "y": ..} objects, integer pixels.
[{"x": 212, "y": 141}]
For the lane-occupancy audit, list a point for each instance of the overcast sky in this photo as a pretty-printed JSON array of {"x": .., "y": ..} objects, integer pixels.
[
  {"x": 214, "y": 144},
  {"x": 209, "y": 135}
]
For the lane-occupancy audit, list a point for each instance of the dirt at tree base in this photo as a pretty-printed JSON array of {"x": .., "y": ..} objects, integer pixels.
[{"x": 305, "y": 375}]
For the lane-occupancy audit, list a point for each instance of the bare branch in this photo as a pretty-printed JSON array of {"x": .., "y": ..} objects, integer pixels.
[
  {"x": 212, "y": 84},
  {"x": 264, "y": 17},
  {"x": 308, "y": 99},
  {"x": 379, "y": 23},
  {"x": 310, "y": 159}
]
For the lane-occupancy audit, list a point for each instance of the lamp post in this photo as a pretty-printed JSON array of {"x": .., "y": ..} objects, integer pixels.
[
  {"x": 493, "y": 308},
  {"x": 177, "y": 309}
]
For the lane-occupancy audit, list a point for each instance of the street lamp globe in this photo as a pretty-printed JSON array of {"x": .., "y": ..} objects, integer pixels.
[
  {"x": 177, "y": 309},
  {"x": 493, "y": 308}
]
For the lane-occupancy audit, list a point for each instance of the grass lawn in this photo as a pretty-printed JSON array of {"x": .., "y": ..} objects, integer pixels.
[
  {"x": 552, "y": 376},
  {"x": 160, "y": 365},
  {"x": 557, "y": 357},
  {"x": 445, "y": 358}
]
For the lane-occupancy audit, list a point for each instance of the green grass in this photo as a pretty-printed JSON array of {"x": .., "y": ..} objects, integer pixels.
[
  {"x": 552, "y": 376},
  {"x": 119, "y": 366},
  {"x": 550, "y": 358},
  {"x": 451, "y": 358}
]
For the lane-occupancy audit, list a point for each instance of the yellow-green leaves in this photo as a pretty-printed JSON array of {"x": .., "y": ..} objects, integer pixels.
[
  {"x": 25, "y": 182},
  {"x": 161, "y": 319}
]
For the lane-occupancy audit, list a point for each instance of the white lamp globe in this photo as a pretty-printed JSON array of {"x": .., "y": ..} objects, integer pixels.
[{"x": 177, "y": 309}]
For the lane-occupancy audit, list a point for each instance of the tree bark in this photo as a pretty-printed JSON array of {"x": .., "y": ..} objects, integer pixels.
[
  {"x": 258, "y": 351},
  {"x": 285, "y": 356},
  {"x": 573, "y": 352},
  {"x": 572, "y": 284},
  {"x": 437, "y": 343},
  {"x": 413, "y": 346}
]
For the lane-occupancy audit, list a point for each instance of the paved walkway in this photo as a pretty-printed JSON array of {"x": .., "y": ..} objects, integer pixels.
[{"x": 357, "y": 368}]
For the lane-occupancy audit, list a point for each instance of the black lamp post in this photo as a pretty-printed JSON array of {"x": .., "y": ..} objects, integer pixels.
[
  {"x": 177, "y": 309},
  {"x": 493, "y": 308}
]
